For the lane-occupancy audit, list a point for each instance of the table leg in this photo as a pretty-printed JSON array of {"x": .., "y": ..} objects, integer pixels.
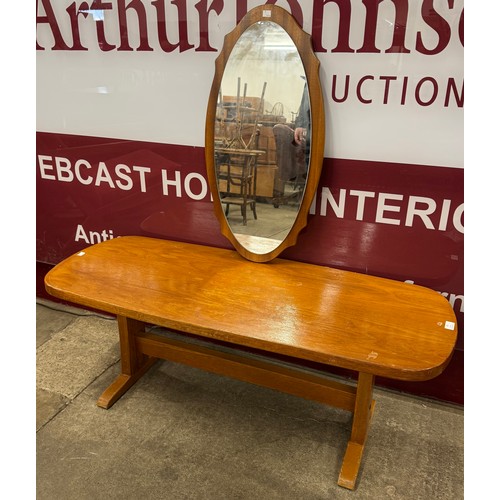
[
  {"x": 363, "y": 410},
  {"x": 133, "y": 363}
]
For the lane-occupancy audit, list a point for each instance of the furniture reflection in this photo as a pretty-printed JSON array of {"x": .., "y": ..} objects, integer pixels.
[
  {"x": 236, "y": 170},
  {"x": 243, "y": 123},
  {"x": 292, "y": 166}
]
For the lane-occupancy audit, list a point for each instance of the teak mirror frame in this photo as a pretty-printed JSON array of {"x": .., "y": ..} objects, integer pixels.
[{"x": 310, "y": 62}]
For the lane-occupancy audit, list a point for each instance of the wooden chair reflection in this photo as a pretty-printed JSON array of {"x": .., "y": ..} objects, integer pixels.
[
  {"x": 236, "y": 170},
  {"x": 236, "y": 150}
]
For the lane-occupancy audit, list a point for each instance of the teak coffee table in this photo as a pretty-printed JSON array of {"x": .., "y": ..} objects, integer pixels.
[{"x": 305, "y": 312}]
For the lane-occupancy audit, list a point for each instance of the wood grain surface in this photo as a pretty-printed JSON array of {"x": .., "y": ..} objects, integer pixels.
[{"x": 326, "y": 315}]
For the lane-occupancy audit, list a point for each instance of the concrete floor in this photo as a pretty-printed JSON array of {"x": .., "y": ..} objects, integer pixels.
[{"x": 181, "y": 433}]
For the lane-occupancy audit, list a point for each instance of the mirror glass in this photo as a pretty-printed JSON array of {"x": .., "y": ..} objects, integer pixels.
[{"x": 261, "y": 133}]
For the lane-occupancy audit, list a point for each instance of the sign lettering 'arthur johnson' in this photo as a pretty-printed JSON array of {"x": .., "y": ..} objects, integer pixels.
[{"x": 173, "y": 25}]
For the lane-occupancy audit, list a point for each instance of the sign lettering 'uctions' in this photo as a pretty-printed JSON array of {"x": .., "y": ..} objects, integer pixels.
[{"x": 399, "y": 90}]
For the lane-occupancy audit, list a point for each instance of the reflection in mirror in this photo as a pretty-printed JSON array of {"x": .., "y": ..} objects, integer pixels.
[
  {"x": 261, "y": 132},
  {"x": 259, "y": 163}
]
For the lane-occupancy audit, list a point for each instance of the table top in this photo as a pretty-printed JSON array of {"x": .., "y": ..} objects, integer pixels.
[{"x": 339, "y": 318}]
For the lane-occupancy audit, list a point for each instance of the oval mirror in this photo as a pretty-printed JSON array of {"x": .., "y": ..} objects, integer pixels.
[{"x": 264, "y": 136}]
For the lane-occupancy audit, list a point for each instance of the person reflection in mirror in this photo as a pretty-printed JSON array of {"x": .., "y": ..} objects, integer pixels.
[
  {"x": 292, "y": 151},
  {"x": 302, "y": 132}
]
